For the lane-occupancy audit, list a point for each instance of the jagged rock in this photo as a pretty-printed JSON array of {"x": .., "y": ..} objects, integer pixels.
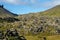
[
  {"x": 1, "y": 6},
  {"x": 10, "y": 19},
  {"x": 44, "y": 38},
  {"x": 1, "y": 35},
  {"x": 22, "y": 38},
  {"x": 13, "y": 33},
  {"x": 40, "y": 29},
  {"x": 58, "y": 31}
]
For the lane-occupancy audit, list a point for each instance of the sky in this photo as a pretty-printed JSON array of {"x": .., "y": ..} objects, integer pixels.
[{"x": 28, "y": 6}]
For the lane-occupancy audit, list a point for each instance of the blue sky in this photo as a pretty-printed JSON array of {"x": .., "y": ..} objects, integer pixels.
[{"x": 28, "y": 6}]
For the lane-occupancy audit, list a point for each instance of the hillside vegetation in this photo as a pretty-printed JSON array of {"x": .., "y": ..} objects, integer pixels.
[{"x": 34, "y": 26}]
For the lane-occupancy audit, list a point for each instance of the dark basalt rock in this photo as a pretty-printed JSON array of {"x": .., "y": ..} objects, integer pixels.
[
  {"x": 11, "y": 33},
  {"x": 40, "y": 29},
  {"x": 1, "y": 35},
  {"x": 44, "y": 38},
  {"x": 58, "y": 31},
  {"x": 1, "y": 6},
  {"x": 14, "y": 33},
  {"x": 10, "y": 19}
]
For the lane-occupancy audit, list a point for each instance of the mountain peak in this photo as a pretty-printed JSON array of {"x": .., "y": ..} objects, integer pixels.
[
  {"x": 6, "y": 13},
  {"x": 58, "y": 5},
  {"x": 1, "y": 6}
]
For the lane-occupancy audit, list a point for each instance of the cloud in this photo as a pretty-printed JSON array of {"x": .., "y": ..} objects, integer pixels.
[
  {"x": 45, "y": 3},
  {"x": 56, "y": 2},
  {"x": 33, "y": 1},
  {"x": 18, "y": 1},
  {"x": 48, "y": 3},
  {"x": 13, "y": 1}
]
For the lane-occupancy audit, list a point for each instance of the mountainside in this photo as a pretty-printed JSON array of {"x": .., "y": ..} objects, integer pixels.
[
  {"x": 46, "y": 22},
  {"x": 5, "y": 13},
  {"x": 50, "y": 13},
  {"x": 34, "y": 26},
  {"x": 55, "y": 11}
]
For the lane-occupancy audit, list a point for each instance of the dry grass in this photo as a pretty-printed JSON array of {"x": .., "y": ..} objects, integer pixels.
[
  {"x": 56, "y": 37},
  {"x": 32, "y": 38}
]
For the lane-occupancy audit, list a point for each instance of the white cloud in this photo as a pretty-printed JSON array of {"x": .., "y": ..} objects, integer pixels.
[
  {"x": 34, "y": 2},
  {"x": 11, "y": 1},
  {"x": 56, "y": 2},
  {"x": 18, "y": 1},
  {"x": 50, "y": 3},
  {"x": 14, "y": 1}
]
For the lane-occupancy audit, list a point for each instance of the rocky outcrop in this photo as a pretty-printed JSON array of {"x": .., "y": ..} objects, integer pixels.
[
  {"x": 11, "y": 34},
  {"x": 9, "y": 19}
]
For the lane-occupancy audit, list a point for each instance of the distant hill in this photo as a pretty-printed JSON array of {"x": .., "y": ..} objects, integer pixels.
[
  {"x": 55, "y": 11},
  {"x": 5, "y": 13}
]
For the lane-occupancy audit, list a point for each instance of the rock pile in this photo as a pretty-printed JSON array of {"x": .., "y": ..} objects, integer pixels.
[{"x": 11, "y": 34}]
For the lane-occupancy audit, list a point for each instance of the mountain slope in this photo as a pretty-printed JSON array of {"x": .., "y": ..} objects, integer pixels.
[
  {"x": 44, "y": 24},
  {"x": 55, "y": 11},
  {"x": 42, "y": 21},
  {"x": 52, "y": 12},
  {"x": 5, "y": 13},
  {"x": 35, "y": 26}
]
